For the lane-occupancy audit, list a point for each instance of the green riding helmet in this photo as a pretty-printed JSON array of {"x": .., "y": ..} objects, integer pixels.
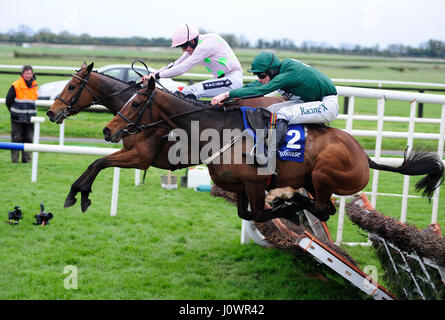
[{"x": 265, "y": 61}]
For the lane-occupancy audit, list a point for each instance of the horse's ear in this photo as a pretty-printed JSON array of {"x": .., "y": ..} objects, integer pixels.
[
  {"x": 151, "y": 84},
  {"x": 90, "y": 67},
  {"x": 84, "y": 65}
]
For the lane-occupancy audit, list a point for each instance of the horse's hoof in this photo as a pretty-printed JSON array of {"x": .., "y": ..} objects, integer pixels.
[
  {"x": 85, "y": 204},
  {"x": 69, "y": 201}
]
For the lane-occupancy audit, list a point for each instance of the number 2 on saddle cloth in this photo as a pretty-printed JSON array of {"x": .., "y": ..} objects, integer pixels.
[{"x": 292, "y": 148}]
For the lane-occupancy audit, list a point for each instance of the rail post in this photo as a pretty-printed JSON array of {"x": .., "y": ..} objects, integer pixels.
[
  {"x": 62, "y": 133},
  {"x": 409, "y": 144},
  {"x": 35, "y": 155},
  {"x": 440, "y": 150},
  {"x": 115, "y": 191}
]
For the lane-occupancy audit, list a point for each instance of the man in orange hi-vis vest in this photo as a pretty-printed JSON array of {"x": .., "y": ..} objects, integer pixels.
[{"x": 20, "y": 101}]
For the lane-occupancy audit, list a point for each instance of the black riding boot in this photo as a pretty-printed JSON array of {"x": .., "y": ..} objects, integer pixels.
[
  {"x": 281, "y": 129},
  {"x": 280, "y": 134}
]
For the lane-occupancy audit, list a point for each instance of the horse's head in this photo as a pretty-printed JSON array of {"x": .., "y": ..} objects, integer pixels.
[
  {"x": 73, "y": 97},
  {"x": 132, "y": 115}
]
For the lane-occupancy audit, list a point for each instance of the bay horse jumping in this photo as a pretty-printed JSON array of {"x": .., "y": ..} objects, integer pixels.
[
  {"x": 148, "y": 148},
  {"x": 334, "y": 162}
]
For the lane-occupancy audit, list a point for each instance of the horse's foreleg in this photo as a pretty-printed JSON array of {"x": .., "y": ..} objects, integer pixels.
[
  {"x": 122, "y": 158},
  {"x": 242, "y": 205},
  {"x": 83, "y": 185},
  {"x": 256, "y": 197}
]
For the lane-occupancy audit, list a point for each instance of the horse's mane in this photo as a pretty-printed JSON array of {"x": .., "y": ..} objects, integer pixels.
[
  {"x": 177, "y": 94},
  {"x": 201, "y": 103}
]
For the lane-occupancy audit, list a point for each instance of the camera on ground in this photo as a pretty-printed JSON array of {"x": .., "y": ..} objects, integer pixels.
[
  {"x": 43, "y": 217},
  {"x": 15, "y": 216}
]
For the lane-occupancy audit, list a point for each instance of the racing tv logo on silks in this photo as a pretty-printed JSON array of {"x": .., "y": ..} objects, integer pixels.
[
  {"x": 217, "y": 84},
  {"x": 320, "y": 109}
]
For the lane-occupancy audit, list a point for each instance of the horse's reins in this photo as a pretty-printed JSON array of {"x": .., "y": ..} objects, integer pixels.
[
  {"x": 140, "y": 75},
  {"x": 136, "y": 128},
  {"x": 147, "y": 126}
]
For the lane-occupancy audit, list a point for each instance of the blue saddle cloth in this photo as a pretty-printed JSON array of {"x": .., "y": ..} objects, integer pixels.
[{"x": 292, "y": 148}]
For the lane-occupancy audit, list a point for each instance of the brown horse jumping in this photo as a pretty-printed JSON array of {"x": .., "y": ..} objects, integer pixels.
[
  {"x": 334, "y": 162},
  {"x": 148, "y": 148}
]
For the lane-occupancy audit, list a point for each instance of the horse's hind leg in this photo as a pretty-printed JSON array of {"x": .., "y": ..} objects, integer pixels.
[{"x": 322, "y": 188}]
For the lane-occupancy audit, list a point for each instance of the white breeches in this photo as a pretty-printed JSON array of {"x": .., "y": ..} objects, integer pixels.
[
  {"x": 213, "y": 87},
  {"x": 295, "y": 112}
]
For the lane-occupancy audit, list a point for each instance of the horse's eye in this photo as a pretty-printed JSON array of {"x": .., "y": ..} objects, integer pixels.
[
  {"x": 71, "y": 87},
  {"x": 135, "y": 104}
]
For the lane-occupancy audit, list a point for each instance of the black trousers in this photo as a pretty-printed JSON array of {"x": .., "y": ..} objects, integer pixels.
[{"x": 22, "y": 133}]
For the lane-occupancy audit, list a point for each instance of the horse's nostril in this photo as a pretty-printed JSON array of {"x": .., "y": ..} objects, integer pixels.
[
  {"x": 50, "y": 115},
  {"x": 107, "y": 133}
]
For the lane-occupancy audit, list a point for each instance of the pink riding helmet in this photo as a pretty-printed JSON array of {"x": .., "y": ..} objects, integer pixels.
[{"x": 183, "y": 34}]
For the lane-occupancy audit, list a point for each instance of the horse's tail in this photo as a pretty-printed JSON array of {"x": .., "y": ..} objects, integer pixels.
[{"x": 419, "y": 163}]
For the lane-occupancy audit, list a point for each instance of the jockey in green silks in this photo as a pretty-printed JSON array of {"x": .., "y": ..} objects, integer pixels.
[{"x": 312, "y": 95}]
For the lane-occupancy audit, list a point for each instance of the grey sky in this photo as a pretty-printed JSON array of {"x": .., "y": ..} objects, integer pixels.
[{"x": 367, "y": 23}]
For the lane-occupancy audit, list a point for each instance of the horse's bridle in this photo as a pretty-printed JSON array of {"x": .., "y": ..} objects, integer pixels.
[
  {"x": 134, "y": 127},
  {"x": 70, "y": 110}
]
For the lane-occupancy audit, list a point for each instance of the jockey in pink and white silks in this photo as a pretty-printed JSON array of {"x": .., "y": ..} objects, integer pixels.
[{"x": 209, "y": 50}]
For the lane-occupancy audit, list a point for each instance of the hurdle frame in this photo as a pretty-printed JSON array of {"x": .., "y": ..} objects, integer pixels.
[{"x": 382, "y": 96}]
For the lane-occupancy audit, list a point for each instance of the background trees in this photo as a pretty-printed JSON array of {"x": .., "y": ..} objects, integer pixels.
[{"x": 431, "y": 48}]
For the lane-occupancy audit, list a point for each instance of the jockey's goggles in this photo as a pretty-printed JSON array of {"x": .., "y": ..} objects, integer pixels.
[
  {"x": 184, "y": 45},
  {"x": 260, "y": 75}
]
